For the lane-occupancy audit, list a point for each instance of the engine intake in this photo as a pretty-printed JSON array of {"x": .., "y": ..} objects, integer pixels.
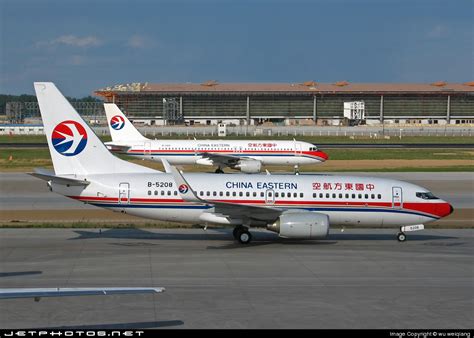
[
  {"x": 249, "y": 166},
  {"x": 301, "y": 225}
]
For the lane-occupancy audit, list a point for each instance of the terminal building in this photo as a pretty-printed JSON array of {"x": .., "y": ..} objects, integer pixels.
[{"x": 307, "y": 103}]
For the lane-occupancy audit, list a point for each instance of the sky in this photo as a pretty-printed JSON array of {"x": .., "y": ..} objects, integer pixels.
[{"x": 84, "y": 45}]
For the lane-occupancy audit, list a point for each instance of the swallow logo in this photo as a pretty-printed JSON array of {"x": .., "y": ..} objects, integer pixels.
[
  {"x": 183, "y": 188},
  {"x": 117, "y": 122},
  {"x": 69, "y": 138}
]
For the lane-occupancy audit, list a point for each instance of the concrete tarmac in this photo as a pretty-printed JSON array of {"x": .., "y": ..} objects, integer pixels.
[{"x": 355, "y": 279}]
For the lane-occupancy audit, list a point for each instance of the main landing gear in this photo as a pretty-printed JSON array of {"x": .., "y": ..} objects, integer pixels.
[
  {"x": 242, "y": 235},
  {"x": 219, "y": 170}
]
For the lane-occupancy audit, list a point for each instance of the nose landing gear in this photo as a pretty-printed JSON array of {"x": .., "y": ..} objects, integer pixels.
[
  {"x": 296, "y": 169},
  {"x": 401, "y": 237}
]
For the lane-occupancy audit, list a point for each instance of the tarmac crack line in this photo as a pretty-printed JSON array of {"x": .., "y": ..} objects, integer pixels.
[{"x": 76, "y": 260}]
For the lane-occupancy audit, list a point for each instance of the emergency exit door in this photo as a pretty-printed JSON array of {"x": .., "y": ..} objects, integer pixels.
[{"x": 269, "y": 197}]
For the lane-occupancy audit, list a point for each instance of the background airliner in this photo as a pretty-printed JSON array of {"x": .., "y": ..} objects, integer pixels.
[
  {"x": 294, "y": 206},
  {"x": 247, "y": 155}
]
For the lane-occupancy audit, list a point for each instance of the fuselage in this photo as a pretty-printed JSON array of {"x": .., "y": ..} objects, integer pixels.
[
  {"x": 179, "y": 152},
  {"x": 347, "y": 200}
]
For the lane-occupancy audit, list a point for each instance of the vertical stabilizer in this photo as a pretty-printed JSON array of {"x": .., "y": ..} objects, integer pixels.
[
  {"x": 120, "y": 127},
  {"x": 75, "y": 149}
]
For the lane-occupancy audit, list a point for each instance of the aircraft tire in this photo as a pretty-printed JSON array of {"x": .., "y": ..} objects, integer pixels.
[
  {"x": 401, "y": 237},
  {"x": 244, "y": 236},
  {"x": 235, "y": 232}
]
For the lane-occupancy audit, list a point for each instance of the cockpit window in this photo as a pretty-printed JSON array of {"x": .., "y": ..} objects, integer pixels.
[
  {"x": 426, "y": 196},
  {"x": 313, "y": 148}
]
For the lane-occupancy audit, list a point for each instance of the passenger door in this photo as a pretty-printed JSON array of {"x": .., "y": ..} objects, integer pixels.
[
  {"x": 298, "y": 149},
  {"x": 124, "y": 193},
  {"x": 147, "y": 149},
  {"x": 397, "y": 198}
]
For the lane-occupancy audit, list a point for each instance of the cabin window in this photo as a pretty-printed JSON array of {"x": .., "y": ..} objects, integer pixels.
[
  {"x": 321, "y": 195},
  {"x": 227, "y": 193},
  {"x": 156, "y": 192},
  {"x": 276, "y": 194},
  {"x": 379, "y": 196},
  {"x": 254, "y": 194},
  {"x": 248, "y": 194},
  {"x": 360, "y": 196},
  {"x": 295, "y": 194},
  {"x": 149, "y": 192},
  {"x": 262, "y": 194},
  {"x": 162, "y": 193},
  {"x": 353, "y": 195},
  {"x": 201, "y": 193},
  {"x": 208, "y": 193},
  {"x": 327, "y": 195},
  {"x": 175, "y": 193},
  {"x": 241, "y": 193},
  {"x": 214, "y": 193},
  {"x": 333, "y": 195},
  {"x": 221, "y": 193},
  {"x": 347, "y": 195},
  {"x": 314, "y": 195},
  {"x": 270, "y": 194},
  {"x": 169, "y": 192},
  {"x": 372, "y": 196},
  {"x": 301, "y": 195},
  {"x": 340, "y": 195},
  {"x": 366, "y": 196},
  {"x": 234, "y": 193}
]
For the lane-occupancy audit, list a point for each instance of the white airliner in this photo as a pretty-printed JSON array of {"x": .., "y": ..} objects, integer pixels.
[
  {"x": 294, "y": 206},
  {"x": 246, "y": 156}
]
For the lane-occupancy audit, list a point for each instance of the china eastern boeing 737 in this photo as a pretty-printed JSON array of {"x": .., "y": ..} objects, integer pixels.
[
  {"x": 246, "y": 156},
  {"x": 294, "y": 206}
]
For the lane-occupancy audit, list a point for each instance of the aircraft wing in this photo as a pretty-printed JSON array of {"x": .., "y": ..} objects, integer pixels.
[
  {"x": 233, "y": 210},
  {"x": 47, "y": 175},
  {"x": 38, "y": 293},
  {"x": 242, "y": 211},
  {"x": 227, "y": 160}
]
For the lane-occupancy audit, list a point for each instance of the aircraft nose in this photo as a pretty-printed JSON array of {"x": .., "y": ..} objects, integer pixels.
[
  {"x": 322, "y": 155},
  {"x": 446, "y": 209}
]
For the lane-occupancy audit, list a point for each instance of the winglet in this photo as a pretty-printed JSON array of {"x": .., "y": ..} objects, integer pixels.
[{"x": 185, "y": 190}]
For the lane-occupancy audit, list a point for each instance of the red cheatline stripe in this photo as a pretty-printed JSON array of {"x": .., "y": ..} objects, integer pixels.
[{"x": 438, "y": 209}]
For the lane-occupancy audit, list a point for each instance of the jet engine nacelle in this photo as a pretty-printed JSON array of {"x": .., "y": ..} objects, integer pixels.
[
  {"x": 249, "y": 166},
  {"x": 301, "y": 225}
]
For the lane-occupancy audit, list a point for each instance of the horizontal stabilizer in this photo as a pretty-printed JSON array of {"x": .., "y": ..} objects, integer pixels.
[
  {"x": 47, "y": 175},
  {"x": 117, "y": 148}
]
